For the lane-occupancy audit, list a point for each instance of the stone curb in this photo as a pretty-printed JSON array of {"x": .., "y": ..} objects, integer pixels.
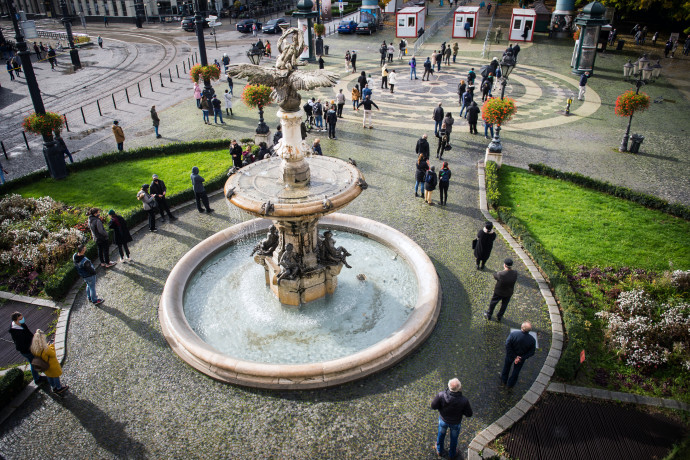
[
  {"x": 485, "y": 437},
  {"x": 607, "y": 395}
]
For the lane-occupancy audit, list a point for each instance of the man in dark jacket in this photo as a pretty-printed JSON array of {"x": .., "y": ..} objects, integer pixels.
[
  {"x": 466, "y": 100},
  {"x": 485, "y": 243},
  {"x": 158, "y": 191},
  {"x": 451, "y": 406},
  {"x": 473, "y": 117},
  {"x": 428, "y": 69},
  {"x": 384, "y": 51},
  {"x": 88, "y": 272},
  {"x": 520, "y": 345},
  {"x": 217, "y": 111},
  {"x": 367, "y": 103},
  {"x": 331, "y": 120},
  {"x": 353, "y": 61},
  {"x": 236, "y": 153},
  {"x": 22, "y": 337},
  {"x": 503, "y": 291},
  {"x": 422, "y": 147},
  {"x": 100, "y": 236},
  {"x": 199, "y": 190},
  {"x": 438, "y": 118}
]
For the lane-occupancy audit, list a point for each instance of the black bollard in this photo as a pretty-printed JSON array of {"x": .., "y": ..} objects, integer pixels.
[
  {"x": 99, "y": 107},
  {"x": 114, "y": 104},
  {"x": 127, "y": 95},
  {"x": 3, "y": 150},
  {"x": 66, "y": 125},
  {"x": 26, "y": 141},
  {"x": 82, "y": 114},
  {"x": 139, "y": 88}
]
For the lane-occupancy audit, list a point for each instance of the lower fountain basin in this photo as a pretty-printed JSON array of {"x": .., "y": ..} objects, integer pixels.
[{"x": 239, "y": 333}]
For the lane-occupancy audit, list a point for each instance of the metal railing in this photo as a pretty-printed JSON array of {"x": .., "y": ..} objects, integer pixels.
[
  {"x": 487, "y": 40},
  {"x": 431, "y": 31}
]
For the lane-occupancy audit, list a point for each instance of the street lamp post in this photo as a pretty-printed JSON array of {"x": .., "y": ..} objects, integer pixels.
[
  {"x": 255, "y": 54},
  {"x": 73, "y": 52},
  {"x": 199, "y": 23},
  {"x": 644, "y": 72},
  {"x": 54, "y": 157},
  {"x": 507, "y": 66}
]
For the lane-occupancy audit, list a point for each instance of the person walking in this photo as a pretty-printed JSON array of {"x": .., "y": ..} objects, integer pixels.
[
  {"x": 488, "y": 9},
  {"x": 667, "y": 48},
  {"x": 362, "y": 81},
  {"x": 583, "y": 86},
  {"x": 413, "y": 68},
  {"x": 456, "y": 48},
  {"x": 367, "y": 103},
  {"x": 86, "y": 270},
  {"x": 217, "y": 110},
  {"x": 340, "y": 101},
  {"x": 421, "y": 168},
  {"x": 443, "y": 182},
  {"x": 205, "y": 107},
  {"x": 353, "y": 61},
  {"x": 100, "y": 236},
  {"x": 486, "y": 88},
  {"x": 158, "y": 190},
  {"x": 355, "y": 97},
  {"x": 520, "y": 346},
  {"x": 197, "y": 94},
  {"x": 384, "y": 77},
  {"x": 451, "y": 406},
  {"x": 51, "y": 58},
  {"x": 383, "y": 50},
  {"x": 466, "y": 101},
  {"x": 422, "y": 147},
  {"x": 156, "y": 121},
  {"x": 100, "y": 41},
  {"x": 236, "y": 153},
  {"x": 41, "y": 349},
  {"x": 430, "y": 182},
  {"x": 121, "y": 235},
  {"x": 119, "y": 135},
  {"x": 318, "y": 115},
  {"x": 438, "y": 118},
  {"x": 230, "y": 84},
  {"x": 473, "y": 117},
  {"x": 10, "y": 69},
  {"x": 392, "y": 80},
  {"x": 17, "y": 66},
  {"x": 332, "y": 118},
  {"x": 228, "y": 103},
  {"x": 505, "y": 285},
  {"x": 22, "y": 337},
  {"x": 442, "y": 141},
  {"x": 471, "y": 76},
  {"x": 199, "y": 190},
  {"x": 149, "y": 204},
  {"x": 483, "y": 244}
]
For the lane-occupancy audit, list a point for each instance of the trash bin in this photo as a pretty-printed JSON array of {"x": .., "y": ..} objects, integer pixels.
[
  {"x": 636, "y": 142},
  {"x": 325, "y": 49},
  {"x": 620, "y": 45}
]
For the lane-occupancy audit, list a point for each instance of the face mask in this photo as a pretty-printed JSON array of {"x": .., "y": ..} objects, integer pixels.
[{"x": 22, "y": 321}]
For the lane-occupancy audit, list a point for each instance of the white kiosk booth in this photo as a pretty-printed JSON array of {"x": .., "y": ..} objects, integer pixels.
[
  {"x": 409, "y": 20},
  {"x": 522, "y": 25},
  {"x": 462, "y": 15}
]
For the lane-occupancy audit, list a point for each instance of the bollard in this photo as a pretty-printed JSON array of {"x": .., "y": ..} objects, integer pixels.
[
  {"x": 114, "y": 104},
  {"x": 26, "y": 141},
  {"x": 170, "y": 75},
  {"x": 178, "y": 70},
  {"x": 197, "y": 57},
  {"x": 3, "y": 150},
  {"x": 66, "y": 125},
  {"x": 99, "y": 108},
  {"x": 127, "y": 95},
  {"x": 567, "y": 107},
  {"x": 82, "y": 114},
  {"x": 151, "y": 83},
  {"x": 190, "y": 65},
  {"x": 184, "y": 69},
  {"x": 139, "y": 88},
  {"x": 161, "y": 77}
]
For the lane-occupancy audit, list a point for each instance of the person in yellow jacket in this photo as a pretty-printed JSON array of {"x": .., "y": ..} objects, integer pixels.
[
  {"x": 384, "y": 77},
  {"x": 41, "y": 349},
  {"x": 355, "y": 97},
  {"x": 119, "y": 135}
]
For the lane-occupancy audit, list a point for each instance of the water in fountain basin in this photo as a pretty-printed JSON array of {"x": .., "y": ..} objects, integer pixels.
[{"x": 228, "y": 304}]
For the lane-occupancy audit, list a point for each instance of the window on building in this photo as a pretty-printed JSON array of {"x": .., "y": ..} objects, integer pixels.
[{"x": 410, "y": 21}]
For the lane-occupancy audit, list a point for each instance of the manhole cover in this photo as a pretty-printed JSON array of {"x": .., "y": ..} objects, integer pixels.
[{"x": 435, "y": 83}]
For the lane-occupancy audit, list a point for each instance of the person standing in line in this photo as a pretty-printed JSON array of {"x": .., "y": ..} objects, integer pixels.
[
  {"x": 443, "y": 182},
  {"x": 353, "y": 61},
  {"x": 22, "y": 337},
  {"x": 100, "y": 236},
  {"x": 236, "y": 153},
  {"x": 87, "y": 271},
  {"x": 316, "y": 147},
  {"x": 456, "y": 48},
  {"x": 383, "y": 50},
  {"x": 430, "y": 182},
  {"x": 391, "y": 51},
  {"x": 205, "y": 107},
  {"x": 484, "y": 244},
  {"x": 158, "y": 191},
  {"x": 438, "y": 118},
  {"x": 583, "y": 86},
  {"x": 355, "y": 97},
  {"x": 318, "y": 115},
  {"x": 362, "y": 81},
  {"x": 449, "y": 120},
  {"x": 392, "y": 80},
  {"x": 121, "y": 235},
  {"x": 466, "y": 101},
  {"x": 413, "y": 68},
  {"x": 199, "y": 190},
  {"x": 486, "y": 88},
  {"x": 439, "y": 59},
  {"x": 503, "y": 291},
  {"x": 10, "y": 69},
  {"x": 421, "y": 168},
  {"x": 367, "y": 92},
  {"x": 384, "y": 77},
  {"x": 197, "y": 94},
  {"x": 348, "y": 58},
  {"x": 367, "y": 103},
  {"x": 51, "y": 58},
  {"x": 462, "y": 87},
  {"x": 332, "y": 119},
  {"x": 451, "y": 406},
  {"x": 520, "y": 346},
  {"x": 473, "y": 117},
  {"x": 422, "y": 147},
  {"x": 321, "y": 62},
  {"x": 447, "y": 55},
  {"x": 149, "y": 204},
  {"x": 471, "y": 76},
  {"x": 228, "y": 103},
  {"x": 100, "y": 41},
  {"x": 156, "y": 121},
  {"x": 119, "y": 135},
  {"x": 442, "y": 141},
  {"x": 217, "y": 110},
  {"x": 340, "y": 100},
  {"x": 230, "y": 84},
  {"x": 402, "y": 46},
  {"x": 41, "y": 349},
  {"x": 37, "y": 50}
]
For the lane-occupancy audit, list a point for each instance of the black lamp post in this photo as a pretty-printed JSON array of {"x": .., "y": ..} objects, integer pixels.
[
  {"x": 255, "y": 54},
  {"x": 644, "y": 72},
  {"x": 507, "y": 66},
  {"x": 199, "y": 23},
  {"x": 54, "y": 157},
  {"x": 73, "y": 52}
]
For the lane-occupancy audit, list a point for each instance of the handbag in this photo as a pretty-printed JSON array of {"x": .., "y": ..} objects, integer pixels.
[
  {"x": 474, "y": 243},
  {"x": 448, "y": 147},
  {"x": 39, "y": 364}
]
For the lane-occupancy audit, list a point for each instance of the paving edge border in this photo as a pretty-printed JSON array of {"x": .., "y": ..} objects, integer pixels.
[
  {"x": 600, "y": 393},
  {"x": 486, "y": 436},
  {"x": 61, "y": 328}
]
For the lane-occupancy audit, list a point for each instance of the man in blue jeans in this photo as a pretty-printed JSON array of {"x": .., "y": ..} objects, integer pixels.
[
  {"x": 22, "y": 337},
  {"x": 86, "y": 271},
  {"x": 451, "y": 405}
]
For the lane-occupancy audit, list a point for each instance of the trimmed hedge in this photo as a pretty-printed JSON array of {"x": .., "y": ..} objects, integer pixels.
[
  {"x": 648, "y": 201},
  {"x": 491, "y": 178},
  {"x": 11, "y": 384},
  {"x": 60, "y": 282}
]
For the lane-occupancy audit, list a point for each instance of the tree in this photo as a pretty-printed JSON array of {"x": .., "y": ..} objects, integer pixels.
[{"x": 677, "y": 10}]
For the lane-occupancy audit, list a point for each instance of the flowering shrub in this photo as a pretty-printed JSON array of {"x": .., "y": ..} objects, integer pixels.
[
  {"x": 257, "y": 95},
  {"x": 45, "y": 124},
  {"x": 498, "y": 111},
  {"x": 628, "y": 103},
  {"x": 207, "y": 72}
]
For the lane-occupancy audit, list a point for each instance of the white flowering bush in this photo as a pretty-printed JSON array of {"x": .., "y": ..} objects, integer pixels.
[{"x": 648, "y": 334}]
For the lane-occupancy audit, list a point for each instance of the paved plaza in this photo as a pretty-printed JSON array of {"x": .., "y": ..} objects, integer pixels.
[{"x": 132, "y": 397}]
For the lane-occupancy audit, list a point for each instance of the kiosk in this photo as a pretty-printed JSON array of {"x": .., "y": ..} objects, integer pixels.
[
  {"x": 462, "y": 15},
  {"x": 522, "y": 25},
  {"x": 409, "y": 20}
]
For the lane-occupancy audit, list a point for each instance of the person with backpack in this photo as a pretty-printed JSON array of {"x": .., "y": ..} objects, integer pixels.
[
  {"x": 486, "y": 87},
  {"x": 86, "y": 270},
  {"x": 444, "y": 182},
  {"x": 413, "y": 68},
  {"x": 22, "y": 337},
  {"x": 442, "y": 141},
  {"x": 430, "y": 182},
  {"x": 473, "y": 117},
  {"x": 471, "y": 76},
  {"x": 100, "y": 236},
  {"x": 466, "y": 101},
  {"x": 149, "y": 204},
  {"x": 462, "y": 86},
  {"x": 421, "y": 168}
]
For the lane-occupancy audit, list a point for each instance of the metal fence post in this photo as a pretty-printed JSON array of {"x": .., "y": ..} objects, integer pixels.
[
  {"x": 178, "y": 70},
  {"x": 99, "y": 108},
  {"x": 127, "y": 95},
  {"x": 4, "y": 151},
  {"x": 139, "y": 88},
  {"x": 160, "y": 74},
  {"x": 113, "y": 96},
  {"x": 66, "y": 125},
  {"x": 151, "y": 83},
  {"x": 170, "y": 75},
  {"x": 82, "y": 114},
  {"x": 26, "y": 141}
]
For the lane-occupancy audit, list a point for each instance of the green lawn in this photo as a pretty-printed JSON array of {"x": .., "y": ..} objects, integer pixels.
[
  {"x": 580, "y": 226},
  {"x": 116, "y": 185}
]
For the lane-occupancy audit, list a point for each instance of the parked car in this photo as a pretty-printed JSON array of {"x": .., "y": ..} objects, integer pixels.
[
  {"x": 273, "y": 26},
  {"x": 245, "y": 25},
  {"x": 347, "y": 27},
  {"x": 366, "y": 28},
  {"x": 188, "y": 24}
]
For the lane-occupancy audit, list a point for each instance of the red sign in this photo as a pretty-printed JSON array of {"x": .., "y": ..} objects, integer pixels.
[{"x": 582, "y": 356}]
